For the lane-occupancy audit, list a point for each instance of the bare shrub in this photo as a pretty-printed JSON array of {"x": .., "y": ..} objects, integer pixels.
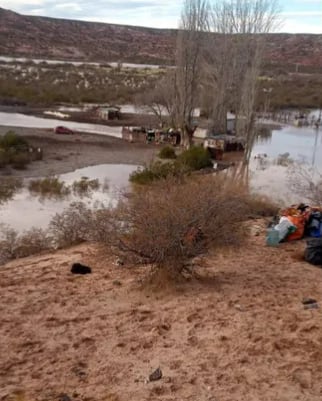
[
  {"x": 72, "y": 226},
  {"x": 171, "y": 221},
  {"x": 14, "y": 245},
  {"x": 306, "y": 183},
  {"x": 260, "y": 206}
]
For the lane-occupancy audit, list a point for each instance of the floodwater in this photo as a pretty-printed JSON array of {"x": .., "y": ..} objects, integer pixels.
[
  {"x": 75, "y": 63},
  {"x": 25, "y": 210},
  {"x": 300, "y": 147},
  {"x": 268, "y": 176},
  {"x": 125, "y": 108},
  {"x": 22, "y": 120}
]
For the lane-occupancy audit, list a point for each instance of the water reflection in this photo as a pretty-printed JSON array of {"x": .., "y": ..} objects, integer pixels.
[
  {"x": 264, "y": 135},
  {"x": 24, "y": 210},
  {"x": 275, "y": 153}
]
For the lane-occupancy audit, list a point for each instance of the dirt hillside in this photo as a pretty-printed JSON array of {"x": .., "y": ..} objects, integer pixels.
[
  {"x": 54, "y": 38},
  {"x": 238, "y": 333}
]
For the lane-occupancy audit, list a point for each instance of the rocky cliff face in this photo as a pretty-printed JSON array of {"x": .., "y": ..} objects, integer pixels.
[{"x": 30, "y": 36}]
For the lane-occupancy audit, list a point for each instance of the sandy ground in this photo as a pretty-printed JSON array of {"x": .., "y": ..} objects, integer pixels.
[
  {"x": 65, "y": 153},
  {"x": 240, "y": 333}
]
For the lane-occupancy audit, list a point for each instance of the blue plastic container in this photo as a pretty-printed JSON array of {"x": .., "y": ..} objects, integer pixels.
[{"x": 272, "y": 237}]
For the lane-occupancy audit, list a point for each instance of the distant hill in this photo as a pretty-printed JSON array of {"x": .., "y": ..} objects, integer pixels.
[{"x": 52, "y": 38}]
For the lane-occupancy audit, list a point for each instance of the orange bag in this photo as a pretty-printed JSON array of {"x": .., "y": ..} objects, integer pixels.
[{"x": 299, "y": 222}]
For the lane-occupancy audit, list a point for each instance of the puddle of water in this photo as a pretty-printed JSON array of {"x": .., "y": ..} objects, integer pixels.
[
  {"x": 22, "y": 120},
  {"x": 304, "y": 146},
  {"x": 25, "y": 210}
]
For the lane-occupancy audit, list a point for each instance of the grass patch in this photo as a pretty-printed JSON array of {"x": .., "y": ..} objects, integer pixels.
[
  {"x": 49, "y": 186},
  {"x": 8, "y": 188},
  {"x": 85, "y": 185}
]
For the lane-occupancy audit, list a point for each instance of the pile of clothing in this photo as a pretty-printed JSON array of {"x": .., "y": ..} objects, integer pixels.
[{"x": 297, "y": 222}]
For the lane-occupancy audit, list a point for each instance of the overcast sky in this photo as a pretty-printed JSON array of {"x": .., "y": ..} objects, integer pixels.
[{"x": 298, "y": 15}]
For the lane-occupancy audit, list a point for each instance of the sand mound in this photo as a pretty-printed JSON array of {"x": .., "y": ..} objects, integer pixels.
[{"x": 240, "y": 332}]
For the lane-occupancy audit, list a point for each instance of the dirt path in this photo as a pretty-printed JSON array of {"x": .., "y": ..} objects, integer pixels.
[
  {"x": 63, "y": 154},
  {"x": 241, "y": 333}
]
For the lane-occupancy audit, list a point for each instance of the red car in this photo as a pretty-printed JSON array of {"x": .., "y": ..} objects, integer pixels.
[{"x": 63, "y": 130}]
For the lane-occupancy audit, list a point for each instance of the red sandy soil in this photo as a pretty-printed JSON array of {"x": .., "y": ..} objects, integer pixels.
[{"x": 238, "y": 333}]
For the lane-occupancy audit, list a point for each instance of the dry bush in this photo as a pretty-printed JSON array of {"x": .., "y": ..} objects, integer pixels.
[
  {"x": 72, "y": 226},
  {"x": 306, "y": 183},
  {"x": 171, "y": 221},
  {"x": 166, "y": 223},
  {"x": 14, "y": 245},
  {"x": 260, "y": 206}
]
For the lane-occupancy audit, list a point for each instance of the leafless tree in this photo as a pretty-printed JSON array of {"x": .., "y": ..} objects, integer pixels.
[
  {"x": 190, "y": 42},
  {"x": 160, "y": 100},
  {"x": 233, "y": 60}
]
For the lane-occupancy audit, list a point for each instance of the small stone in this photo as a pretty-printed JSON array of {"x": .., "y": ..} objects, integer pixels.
[
  {"x": 117, "y": 283},
  {"x": 156, "y": 375}
]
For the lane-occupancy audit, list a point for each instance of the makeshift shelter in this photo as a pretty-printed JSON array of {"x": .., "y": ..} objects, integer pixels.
[
  {"x": 217, "y": 145},
  {"x": 134, "y": 134},
  {"x": 109, "y": 112}
]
